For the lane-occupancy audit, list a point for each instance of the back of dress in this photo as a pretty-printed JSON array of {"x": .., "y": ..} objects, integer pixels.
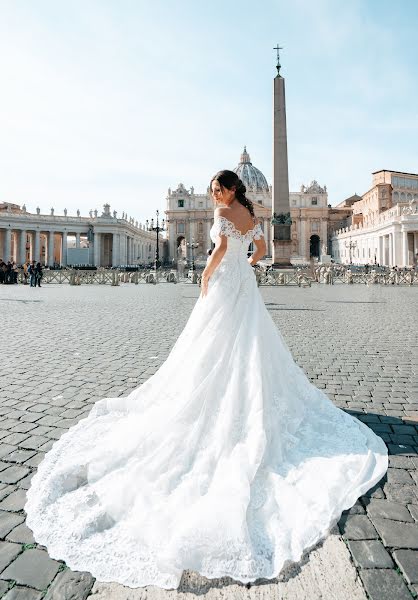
[{"x": 237, "y": 242}]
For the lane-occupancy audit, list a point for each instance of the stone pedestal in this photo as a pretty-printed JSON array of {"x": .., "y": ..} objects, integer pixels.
[
  {"x": 282, "y": 250},
  {"x": 282, "y": 246},
  {"x": 325, "y": 259}
]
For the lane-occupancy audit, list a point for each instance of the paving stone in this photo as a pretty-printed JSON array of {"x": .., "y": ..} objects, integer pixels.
[
  {"x": 6, "y": 449},
  {"x": 4, "y": 586},
  {"x": 21, "y": 534},
  {"x": 370, "y": 554},
  {"x": 25, "y": 482},
  {"x": 22, "y": 593},
  {"x": 357, "y": 527},
  {"x": 15, "y": 501},
  {"x": 8, "y": 552},
  {"x": 15, "y": 438},
  {"x": 404, "y": 429},
  {"x": 356, "y": 509},
  {"x": 6, "y": 490},
  {"x": 384, "y": 584},
  {"x": 20, "y": 456},
  {"x": 396, "y": 534},
  {"x": 401, "y": 449},
  {"x": 399, "y": 476},
  {"x": 23, "y": 427},
  {"x": 35, "y": 460},
  {"x": 388, "y": 510},
  {"x": 34, "y": 442},
  {"x": 404, "y": 494},
  {"x": 401, "y": 462},
  {"x": 70, "y": 585},
  {"x": 33, "y": 568},
  {"x": 408, "y": 562},
  {"x": 13, "y": 474},
  {"x": 9, "y": 521}
]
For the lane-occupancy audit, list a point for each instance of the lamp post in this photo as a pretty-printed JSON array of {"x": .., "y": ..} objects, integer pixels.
[
  {"x": 350, "y": 245},
  {"x": 192, "y": 245},
  {"x": 157, "y": 228}
]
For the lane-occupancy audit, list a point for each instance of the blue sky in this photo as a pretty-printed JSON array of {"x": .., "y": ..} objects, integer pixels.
[{"x": 115, "y": 101}]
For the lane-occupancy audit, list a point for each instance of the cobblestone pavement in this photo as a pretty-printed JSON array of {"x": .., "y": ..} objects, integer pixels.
[{"x": 360, "y": 344}]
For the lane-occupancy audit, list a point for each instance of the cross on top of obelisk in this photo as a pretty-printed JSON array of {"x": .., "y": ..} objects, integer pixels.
[{"x": 278, "y": 66}]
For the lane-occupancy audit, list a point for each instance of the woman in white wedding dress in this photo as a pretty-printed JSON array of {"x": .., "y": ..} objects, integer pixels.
[{"x": 232, "y": 471}]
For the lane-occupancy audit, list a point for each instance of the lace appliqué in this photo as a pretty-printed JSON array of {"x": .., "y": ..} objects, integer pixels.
[{"x": 258, "y": 232}]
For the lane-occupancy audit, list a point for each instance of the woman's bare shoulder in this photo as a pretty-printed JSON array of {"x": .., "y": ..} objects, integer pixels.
[{"x": 222, "y": 211}]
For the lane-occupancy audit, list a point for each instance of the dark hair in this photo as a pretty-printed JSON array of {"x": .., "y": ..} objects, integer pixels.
[{"x": 229, "y": 179}]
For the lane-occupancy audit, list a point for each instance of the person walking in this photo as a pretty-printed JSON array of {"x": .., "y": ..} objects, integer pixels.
[
  {"x": 32, "y": 274},
  {"x": 25, "y": 273},
  {"x": 38, "y": 274}
]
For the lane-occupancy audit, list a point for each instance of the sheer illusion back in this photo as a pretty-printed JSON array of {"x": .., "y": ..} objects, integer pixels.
[{"x": 234, "y": 470}]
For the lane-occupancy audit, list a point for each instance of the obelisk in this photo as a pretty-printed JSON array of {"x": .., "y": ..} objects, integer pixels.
[{"x": 280, "y": 205}]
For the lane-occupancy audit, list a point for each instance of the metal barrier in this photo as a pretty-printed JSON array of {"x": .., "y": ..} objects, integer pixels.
[
  {"x": 266, "y": 276},
  {"x": 112, "y": 277}
]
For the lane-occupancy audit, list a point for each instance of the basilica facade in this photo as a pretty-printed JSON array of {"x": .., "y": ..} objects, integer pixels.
[{"x": 190, "y": 216}]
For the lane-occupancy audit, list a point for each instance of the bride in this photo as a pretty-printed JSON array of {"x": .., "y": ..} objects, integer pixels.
[{"x": 234, "y": 471}]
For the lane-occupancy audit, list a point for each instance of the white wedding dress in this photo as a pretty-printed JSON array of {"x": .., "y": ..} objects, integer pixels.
[{"x": 233, "y": 470}]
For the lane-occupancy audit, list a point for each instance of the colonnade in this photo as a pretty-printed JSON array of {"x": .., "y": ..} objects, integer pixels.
[
  {"x": 50, "y": 247},
  {"x": 394, "y": 248}
]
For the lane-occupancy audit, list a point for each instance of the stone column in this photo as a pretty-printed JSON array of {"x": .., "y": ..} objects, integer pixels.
[
  {"x": 324, "y": 235},
  {"x": 22, "y": 249},
  {"x": 303, "y": 237},
  {"x": 122, "y": 249},
  {"x": 97, "y": 248},
  {"x": 415, "y": 234},
  {"x": 115, "y": 250},
  {"x": 381, "y": 259},
  {"x": 77, "y": 240},
  {"x": 405, "y": 249},
  {"x": 51, "y": 240},
  {"x": 36, "y": 255},
  {"x": 64, "y": 249},
  {"x": 390, "y": 250},
  {"x": 7, "y": 244}
]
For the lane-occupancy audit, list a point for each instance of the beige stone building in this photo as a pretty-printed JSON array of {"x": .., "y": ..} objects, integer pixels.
[
  {"x": 383, "y": 225},
  {"x": 190, "y": 216}
]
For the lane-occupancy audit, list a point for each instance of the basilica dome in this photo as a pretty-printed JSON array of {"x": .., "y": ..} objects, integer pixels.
[{"x": 252, "y": 177}]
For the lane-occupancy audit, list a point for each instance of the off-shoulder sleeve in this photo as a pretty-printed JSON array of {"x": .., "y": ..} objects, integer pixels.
[
  {"x": 220, "y": 225},
  {"x": 258, "y": 232}
]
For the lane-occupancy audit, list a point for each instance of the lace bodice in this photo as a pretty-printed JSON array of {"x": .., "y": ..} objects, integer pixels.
[{"x": 223, "y": 226}]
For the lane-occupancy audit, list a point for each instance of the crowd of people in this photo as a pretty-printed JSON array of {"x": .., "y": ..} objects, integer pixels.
[{"x": 31, "y": 273}]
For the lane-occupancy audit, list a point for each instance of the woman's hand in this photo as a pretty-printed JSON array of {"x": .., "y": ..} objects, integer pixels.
[{"x": 204, "y": 284}]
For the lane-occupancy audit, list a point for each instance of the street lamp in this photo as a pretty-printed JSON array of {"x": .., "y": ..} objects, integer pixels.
[
  {"x": 350, "y": 245},
  {"x": 192, "y": 245},
  {"x": 157, "y": 228}
]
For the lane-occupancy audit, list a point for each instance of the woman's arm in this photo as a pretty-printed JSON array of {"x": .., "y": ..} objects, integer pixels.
[{"x": 213, "y": 261}]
